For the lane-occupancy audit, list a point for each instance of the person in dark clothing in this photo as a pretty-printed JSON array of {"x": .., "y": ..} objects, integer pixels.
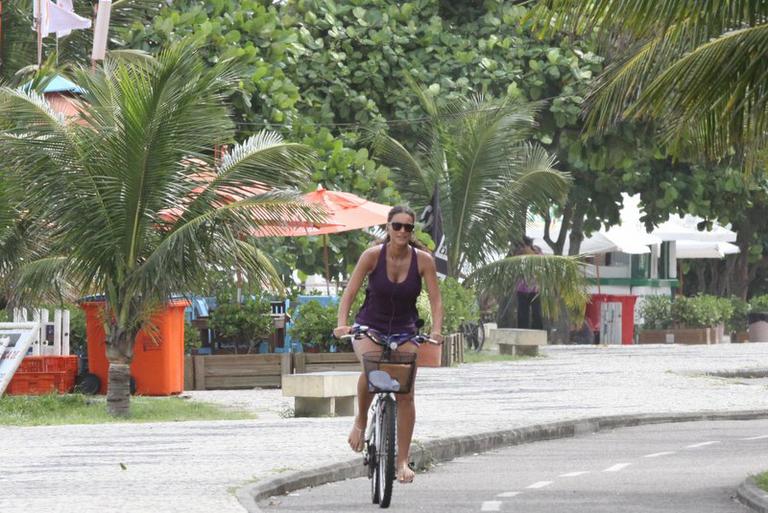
[
  {"x": 395, "y": 269},
  {"x": 528, "y": 303}
]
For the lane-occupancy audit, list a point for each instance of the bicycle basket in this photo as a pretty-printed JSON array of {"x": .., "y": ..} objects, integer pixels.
[{"x": 401, "y": 367}]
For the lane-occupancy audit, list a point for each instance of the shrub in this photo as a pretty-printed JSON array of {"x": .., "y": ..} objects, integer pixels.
[
  {"x": 313, "y": 323},
  {"x": 701, "y": 311},
  {"x": 246, "y": 322},
  {"x": 77, "y": 336},
  {"x": 459, "y": 304},
  {"x": 192, "y": 338},
  {"x": 656, "y": 312},
  {"x": 758, "y": 304},
  {"x": 738, "y": 319}
]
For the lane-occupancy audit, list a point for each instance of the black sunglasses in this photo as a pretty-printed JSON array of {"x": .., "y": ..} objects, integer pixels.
[{"x": 399, "y": 226}]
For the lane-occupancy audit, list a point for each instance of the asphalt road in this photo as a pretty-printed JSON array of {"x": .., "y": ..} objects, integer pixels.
[{"x": 680, "y": 468}]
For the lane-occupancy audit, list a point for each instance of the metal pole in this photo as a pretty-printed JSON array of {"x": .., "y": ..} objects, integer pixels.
[
  {"x": 39, "y": 26},
  {"x": 327, "y": 266}
]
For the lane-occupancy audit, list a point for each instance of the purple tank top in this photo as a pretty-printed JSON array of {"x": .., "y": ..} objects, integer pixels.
[{"x": 391, "y": 307}]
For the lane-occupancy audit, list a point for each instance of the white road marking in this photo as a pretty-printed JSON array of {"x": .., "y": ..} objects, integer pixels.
[
  {"x": 491, "y": 506},
  {"x": 657, "y": 454},
  {"x": 756, "y": 437},
  {"x": 574, "y": 474},
  {"x": 702, "y": 444},
  {"x": 540, "y": 484},
  {"x": 509, "y": 494},
  {"x": 617, "y": 467}
]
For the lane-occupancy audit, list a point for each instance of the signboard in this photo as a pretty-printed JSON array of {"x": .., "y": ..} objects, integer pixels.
[{"x": 15, "y": 340}]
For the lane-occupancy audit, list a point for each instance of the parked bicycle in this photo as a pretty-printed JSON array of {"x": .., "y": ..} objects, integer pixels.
[
  {"x": 474, "y": 334},
  {"x": 388, "y": 372}
]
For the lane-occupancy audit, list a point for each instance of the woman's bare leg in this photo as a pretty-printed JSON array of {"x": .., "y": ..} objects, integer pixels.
[
  {"x": 406, "y": 419},
  {"x": 364, "y": 397}
]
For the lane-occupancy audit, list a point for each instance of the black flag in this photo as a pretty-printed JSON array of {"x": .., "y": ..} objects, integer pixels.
[{"x": 432, "y": 220}]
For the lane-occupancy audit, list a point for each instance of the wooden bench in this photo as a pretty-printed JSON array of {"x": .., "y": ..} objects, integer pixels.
[
  {"x": 322, "y": 394},
  {"x": 518, "y": 341}
]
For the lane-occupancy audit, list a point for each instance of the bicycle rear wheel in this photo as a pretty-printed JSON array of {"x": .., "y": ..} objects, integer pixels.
[
  {"x": 480, "y": 334},
  {"x": 386, "y": 450},
  {"x": 372, "y": 460}
]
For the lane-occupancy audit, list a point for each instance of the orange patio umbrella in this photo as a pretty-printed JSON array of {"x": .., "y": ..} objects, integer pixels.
[{"x": 345, "y": 212}]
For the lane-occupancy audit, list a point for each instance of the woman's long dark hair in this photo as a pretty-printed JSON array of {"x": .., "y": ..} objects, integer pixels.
[{"x": 403, "y": 209}]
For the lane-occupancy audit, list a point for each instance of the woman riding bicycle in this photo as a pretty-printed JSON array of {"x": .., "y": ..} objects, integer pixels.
[{"x": 395, "y": 269}]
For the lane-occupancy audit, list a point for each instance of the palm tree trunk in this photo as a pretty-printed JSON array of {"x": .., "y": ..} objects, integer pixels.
[{"x": 119, "y": 390}]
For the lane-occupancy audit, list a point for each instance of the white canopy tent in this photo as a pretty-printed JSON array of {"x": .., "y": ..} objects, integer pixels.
[
  {"x": 631, "y": 237},
  {"x": 688, "y": 249}
]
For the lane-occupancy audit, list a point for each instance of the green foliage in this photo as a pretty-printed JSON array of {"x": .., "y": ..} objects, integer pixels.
[
  {"x": 701, "y": 311},
  {"x": 78, "y": 343},
  {"x": 656, "y": 312},
  {"x": 313, "y": 324},
  {"x": 192, "y": 339},
  {"x": 738, "y": 320},
  {"x": 758, "y": 304},
  {"x": 246, "y": 322},
  {"x": 459, "y": 304},
  {"x": 762, "y": 481}
]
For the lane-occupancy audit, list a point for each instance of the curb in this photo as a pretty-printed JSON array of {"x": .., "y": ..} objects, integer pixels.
[
  {"x": 444, "y": 449},
  {"x": 752, "y": 496}
]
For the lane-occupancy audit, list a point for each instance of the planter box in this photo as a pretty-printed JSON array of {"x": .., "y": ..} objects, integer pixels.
[
  {"x": 740, "y": 337},
  {"x": 758, "y": 326},
  {"x": 324, "y": 362},
  {"x": 679, "y": 336},
  {"x": 239, "y": 371}
]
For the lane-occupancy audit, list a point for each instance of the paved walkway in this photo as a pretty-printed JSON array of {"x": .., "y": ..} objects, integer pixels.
[{"x": 194, "y": 467}]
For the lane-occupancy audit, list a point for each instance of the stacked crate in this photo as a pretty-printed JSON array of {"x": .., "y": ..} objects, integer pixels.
[{"x": 39, "y": 375}]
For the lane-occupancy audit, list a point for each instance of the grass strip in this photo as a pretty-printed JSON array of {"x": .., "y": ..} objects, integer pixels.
[
  {"x": 54, "y": 409},
  {"x": 762, "y": 480}
]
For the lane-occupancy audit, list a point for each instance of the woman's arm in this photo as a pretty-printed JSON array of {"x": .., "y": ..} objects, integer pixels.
[
  {"x": 429, "y": 273},
  {"x": 363, "y": 267}
]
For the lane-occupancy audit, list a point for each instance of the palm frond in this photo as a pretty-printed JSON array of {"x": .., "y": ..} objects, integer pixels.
[
  {"x": 558, "y": 278},
  {"x": 715, "y": 96},
  {"x": 644, "y": 17}
]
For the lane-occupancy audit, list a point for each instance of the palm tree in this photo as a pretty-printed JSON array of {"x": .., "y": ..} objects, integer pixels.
[
  {"x": 476, "y": 153},
  {"x": 116, "y": 198},
  {"x": 697, "y": 68}
]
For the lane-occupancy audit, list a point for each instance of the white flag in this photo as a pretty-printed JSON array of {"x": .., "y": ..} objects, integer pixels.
[
  {"x": 101, "y": 30},
  {"x": 60, "y": 18},
  {"x": 67, "y": 6}
]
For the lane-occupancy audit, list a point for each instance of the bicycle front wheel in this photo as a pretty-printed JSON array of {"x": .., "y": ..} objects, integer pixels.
[{"x": 386, "y": 449}]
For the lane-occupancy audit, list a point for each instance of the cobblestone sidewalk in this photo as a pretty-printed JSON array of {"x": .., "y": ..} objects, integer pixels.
[{"x": 194, "y": 467}]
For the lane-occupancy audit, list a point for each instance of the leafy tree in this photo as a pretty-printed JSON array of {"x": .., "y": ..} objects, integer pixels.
[{"x": 122, "y": 206}]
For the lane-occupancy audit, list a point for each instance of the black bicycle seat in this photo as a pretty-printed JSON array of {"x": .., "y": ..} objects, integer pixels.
[{"x": 382, "y": 382}]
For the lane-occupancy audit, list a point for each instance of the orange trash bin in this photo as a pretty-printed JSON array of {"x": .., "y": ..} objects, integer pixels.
[{"x": 158, "y": 365}]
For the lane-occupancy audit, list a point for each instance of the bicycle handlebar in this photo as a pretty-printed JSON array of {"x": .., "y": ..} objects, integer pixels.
[{"x": 359, "y": 331}]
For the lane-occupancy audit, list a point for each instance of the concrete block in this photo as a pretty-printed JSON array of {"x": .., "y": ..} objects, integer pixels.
[
  {"x": 324, "y": 406},
  {"x": 322, "y": 394},
  {"x": 515, "y": 336},
  {"x": 321, "y": 384},
  {"x": 518, "y": 349}
]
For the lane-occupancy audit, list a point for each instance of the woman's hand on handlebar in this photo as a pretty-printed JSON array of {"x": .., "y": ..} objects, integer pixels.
[
  {"x": 437, "y": 337},
  {"x": 340, "y": 331}
]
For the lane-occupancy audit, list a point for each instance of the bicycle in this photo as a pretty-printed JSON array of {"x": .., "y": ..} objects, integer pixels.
[
  {"x": 474, "y": 334},
  {"x": 388, "y": 373}
]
